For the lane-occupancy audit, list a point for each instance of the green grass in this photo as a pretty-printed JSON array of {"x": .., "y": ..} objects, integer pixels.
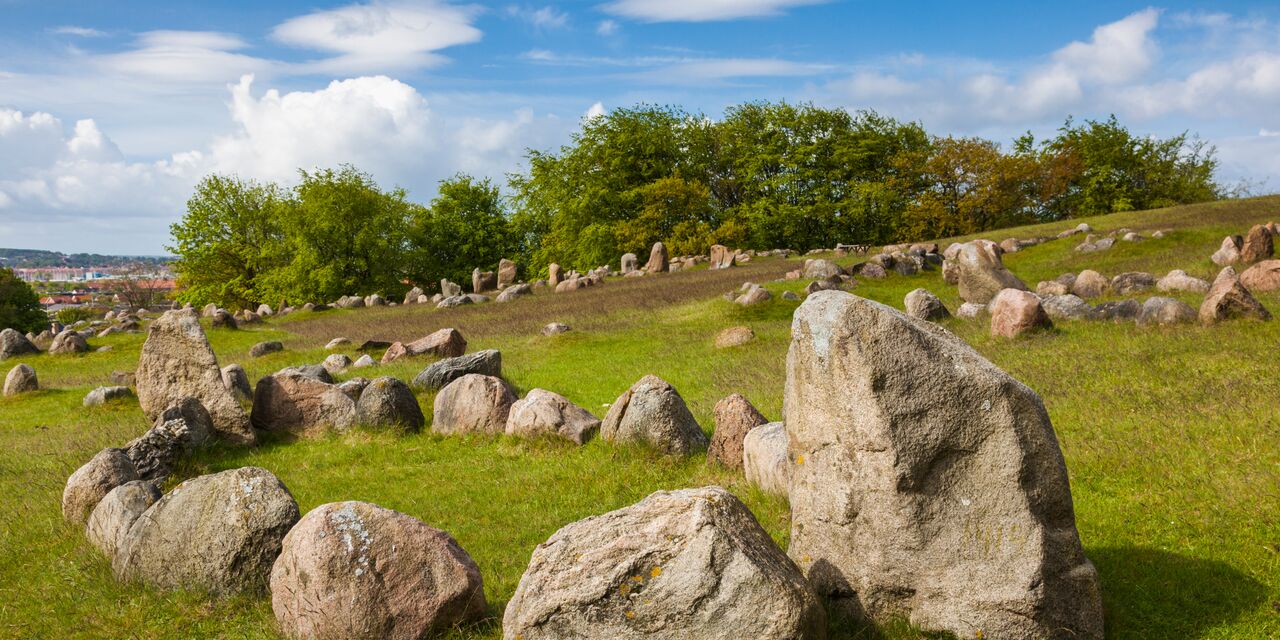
[{"x": 1171, "y": 436}]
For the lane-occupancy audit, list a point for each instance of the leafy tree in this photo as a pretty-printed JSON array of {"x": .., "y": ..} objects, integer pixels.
[
  {"x": 19, "y": 306},
  {"x": 465, "y": 227},
  {"x": 972, "y": 187}
]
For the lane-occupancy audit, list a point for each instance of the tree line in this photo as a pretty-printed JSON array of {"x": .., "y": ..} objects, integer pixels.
[{"x": 765, "y": 175}]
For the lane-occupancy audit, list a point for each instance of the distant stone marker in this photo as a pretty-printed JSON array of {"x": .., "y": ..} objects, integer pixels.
[{"x": 658, "y": 259}]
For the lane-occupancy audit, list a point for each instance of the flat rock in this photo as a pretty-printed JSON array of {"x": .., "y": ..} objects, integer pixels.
[{"x": 442, "y": 372}]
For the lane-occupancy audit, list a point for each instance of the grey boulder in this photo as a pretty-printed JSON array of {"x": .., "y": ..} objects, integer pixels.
[
  {"x": 652, "y": 412},
  {"x": 388, "y": 402},
  {"x": 545, "y": 413},
  {"x": 442, "y": 372}
]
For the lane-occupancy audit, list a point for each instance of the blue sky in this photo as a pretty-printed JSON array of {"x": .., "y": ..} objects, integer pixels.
[{"x": 111, "y": 111}]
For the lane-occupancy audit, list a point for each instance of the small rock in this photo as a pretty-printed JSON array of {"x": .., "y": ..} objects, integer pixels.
[
  {"x": 337, "y": 343},
  {"x": 923, "y": 305},
  {"x": 103, "y": 395},
  {"x": 336, "y": 363},
  {"x": 1132, "y": 282},
  {"x": 970, "y": 310},
  {"x": 1118, "y": 310},
  {"x": 364, "y": 361},
  {"x": 1165, "y": 311},
  {"x": 237, "y": 381},
  {"x": 544, "y": 413},
  {"x": 764, "y": 458},
  {"x": 1015, "y": 312},
  {"x": 21, "y": 379},
  {"x": 1178, "y": 280},
  {"x": 1068, "y": 307},
  {"x": 734, "y": 337},
  {"x": 1090, "y": 284},
  {"x": 555, "y": 329},
  {"x": 734, "y": 416}
]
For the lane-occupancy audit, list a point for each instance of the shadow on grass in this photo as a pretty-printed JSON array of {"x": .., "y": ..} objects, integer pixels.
[{"x": 1150, "y": 593}]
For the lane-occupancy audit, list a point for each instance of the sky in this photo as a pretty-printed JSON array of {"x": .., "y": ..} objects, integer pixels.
[{"x": 110, "y": 112}]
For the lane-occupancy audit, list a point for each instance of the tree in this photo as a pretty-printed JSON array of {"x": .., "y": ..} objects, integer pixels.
[
  {"x": 972, "y": 186},
  {"x": 229, "y": 238},
  {"x": 136, "y": 288},
  {"x": 19, "y": 306},
  {"x": 466, "y": 226}
]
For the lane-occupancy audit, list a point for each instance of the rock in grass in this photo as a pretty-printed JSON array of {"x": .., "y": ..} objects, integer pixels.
[
  {"x": 1052, "y": 288},
  {"x": 442, "y": 372},
  {"x": 338, "y": 343},
  {"x": 179, "y": 430},
  {"x": 411, "y": 297},
  {"x": 1068, "y": 307},
  {"x": 389, "y": 403},
  {"x": 658, "y": 259},
  {"x": 473, "y": 403},
  {"x": 223, "y": 320},
  {"x": 446, "y": 343},
  {"x": 336, "y": 363},
  {"x": 692, "y": 563},
  {"x": 1178, "y": 280},
  {"x": 1132, "y": 282},
  {"x": 177, "y": 362},
  {"x": 14, "y": 344},
  {"x": 236, "y": 381},
  {"x": 1261, "y": 277},
  {"x": 555, "y": 329},
  {"x": 1229, "y": 252},
  {"x": 1118, "y": 310},
  {"x": 107, "y": 470},
  {"x": 754, "y": 295},
  {"x": 292, "y": 402},
  {"x": 922, "y": 304},
  {"x": 653, "y": 412},
  {"x": 21, "y": 379},
  {"x": 981, "y": 273},
  {"x": 218, "y": 533},
  {"x": 357, "y": 570},
  {"x": 927, "y": 481},
  {"x": 265, "y": 348},
  {"x": 364, "y": 361},
  {"x": 545, "y": 413},
  {"x": 820, "y": 269},
  {"x": 734, "y": 337},
  {"x": 1090, "y": 284},
  {"x": 1228, "y": 299},
  {"x": 1258, "y": 245},
  {"x": 514, "y": 291},
  {"x": 68, "y": 342},
  {"x": 764, "y": 458},
  {"x": 735, "y": 416},
  {"x": 1015, "y": 312},
  {"x": 1163, "y": 311},
  {"x": 103, "y": 395},
  {"x": 111, "y": 519},
  {"x": 970, "y": 310}
]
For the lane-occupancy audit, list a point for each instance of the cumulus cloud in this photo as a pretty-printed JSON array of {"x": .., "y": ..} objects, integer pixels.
[
  {"x": 701, "y": 10},
  {"x": 597, "y": 110}
]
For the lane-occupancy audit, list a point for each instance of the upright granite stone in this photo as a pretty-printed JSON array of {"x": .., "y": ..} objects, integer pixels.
[
  {"x": 1258, "y": 245},
  {"x": 473, "y": 403},
  {"x": 981, "y": 273},
  {"x": 628, "y": 263},
  {"x": 1015, "y": 312},
  {"x": 658, "y": 260},
  {"x": 928, "y": 483},
  {"x": 1228, "y": 299},
  {"x": 389, "y": 403},
  {"x": 482, "y": 281},
  {"x": 764, "y": 458},
  {"x": 692, "y": 563},
  {"x": 735, "y": 416},
  {"x": 506, "y": 273},
  {"x": 722, "y": 257},
  {"x": 21, "y": 379},
  {"x": 236, "y": 380},
  {"x": 14, "y": 344},
  {"x": 555, "y": 275},
  {"x": 653, "y": 412},
  {"x": 546, "y": 413},
  {"x": 178, "y": 362}
]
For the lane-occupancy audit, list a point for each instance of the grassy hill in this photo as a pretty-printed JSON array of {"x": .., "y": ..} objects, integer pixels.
[{"x": 1171, "y": 437}]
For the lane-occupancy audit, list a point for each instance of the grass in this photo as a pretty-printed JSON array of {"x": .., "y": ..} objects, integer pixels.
[{"x": 1171, "y": 436}]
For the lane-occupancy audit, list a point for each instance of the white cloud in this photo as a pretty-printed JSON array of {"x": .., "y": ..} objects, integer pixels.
[
  {"x": 381, "y": 37},
  {"x": 83, "y": 32},
  {"x": 185, "y": 57},
  {"x": 545, "y": 18},
  {"x": 701, "y": 10},
  {"x": 606, "y": 28},
  {"x": 1119, "y": 51},
  {"x": 597, "y": 110}
]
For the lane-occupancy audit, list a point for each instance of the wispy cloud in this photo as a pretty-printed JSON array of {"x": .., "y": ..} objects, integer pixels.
[
  {"x": 544, "y": 18},
  {"x": 607, "y": 28},
  {"x": 701, "y": 10},
  {"x": 83, "y": 32}
]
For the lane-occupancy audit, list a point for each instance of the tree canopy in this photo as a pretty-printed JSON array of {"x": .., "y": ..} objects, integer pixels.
[{"x": 19, "y": 305}]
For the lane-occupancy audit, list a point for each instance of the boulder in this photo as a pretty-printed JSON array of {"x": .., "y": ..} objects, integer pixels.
[
  {"x": 21, "y": 379},
  {"x": 442, "y": 372},
  {"x": 411, "y": 297},
  {"x": 1261, "y": 277},
  {"x": 1162, "y": 311},
  {"x": 336, "y": 363},
  {"x": 68, "y": 342},
  {"x": 1015, "y": 312},
  {"x": 970, "y": 310},
  {"x": 514, "y": 291},
  {"x": 375, "y": 300},
  {"x": 103, "y": 395},
  {"x": 1229, "y": 299},
  {"x": 1178, "y": 280},
  {"x": 692, "y": 563},
  {"x": 873, "y": 271},
  {"x": 555, "y": 329},
  {"x": 544, "y": 413},
  {"x": 364, "y": 361},
  {"x": 506, "y": 273},
  {"x": 734, "y": 337},
  {"x": 1118, "y": 310},
  {"x": 1052, "y": 288},
  {"x": 388, "y": 402},
  {"x": 1132, "y": 282},
  {"x": 658, "y": 261},
  {"x": 357, "y": 570},
  {"x": 1258, "y": 245},
  {"x": 1229, "y": 252},
  {"x": 217, "y": 533},
  {"x": 265, "y": 348},
  {"x": 222, "y": 319},
  {"x": 454, "y": 301},
  {"x": 818, "y": 269},
  {"x": 928, "y": 484},
  {"x": 722, "y": 257},
  {"x": 473, "y": 403},
  {"x": 1132, "y": 237},
  {"x": 177, "y": 362},
  {"x": 482, "y": 281},
  {"x": 628, "y": 263},
  {"x": 1090, "y": 284},
  {"x": 754, "y": 295},
  {"x": 236, "y": 381},
  {"x": 1067, "y": 307},
  {"x": 449, "y": 289},
  {"x": 922, "y": 304},
  {"x": 764, "y": 458},
  {"x": 293, "y": 402},
  {"x": 179, "y": 430},
  {"x": 735, "y": 416},
  {"x": 555, "y": 275},
  {"x": 110, "y": 520},
  {"x": 337, "y": 343},
  {"x": 14, "y": 344},
  {"x": 107, "y": 470},
  {"x": 981, "y": 272},
  {"x": 446, "y": 343},
  {"x": 313, "y": 371},
  {"x": 653, "y": 412}
]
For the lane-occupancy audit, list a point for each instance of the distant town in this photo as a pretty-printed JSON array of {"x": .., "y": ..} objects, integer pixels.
[{"x": 91, "y": 280}]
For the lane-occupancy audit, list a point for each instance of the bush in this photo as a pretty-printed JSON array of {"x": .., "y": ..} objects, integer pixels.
[
  {"x": 19, "y": 305},
  {"x": 72, "y": 315}
]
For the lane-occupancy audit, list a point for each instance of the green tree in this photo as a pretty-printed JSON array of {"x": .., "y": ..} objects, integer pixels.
[
  {"x": 465, "y": 226},
  {"x": 972, "y": 186},
  {"x": 229, "y": 238},
  {"x": 19, "y": 306}
]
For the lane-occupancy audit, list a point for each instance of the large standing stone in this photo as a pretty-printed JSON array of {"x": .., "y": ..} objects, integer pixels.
[
  {"x": 1228, "y": 299},
  {"x": 21, "y": 379},
  {"x": 294, "y": 402},
  {"x": 506, "y": 273},
  {"x": 628, "y": 263},
  {"x": 764, "y": 458},
  {"x": 178, "y": 362},
  {"x": 981, "y": 273},
  {"x": 928, "y": 483},
  {"x": 545, "y": 413},
  {"x": 658, "y": 261},
  {"x": 1261, "y": 277},
  {"x": 450, "y": 289},
  {"x": 722, "y": 257},
  {"x": 653, "y": 412},
  {"x": 735, "y": 416},
  {"x": 442, "y": 372},
  {"x": 482, "y": 281},
  {"x": 68, "y": 342},
  {"x": 388, "y": 402},
  {"x": 218, "y": 533},
  {"x": 1090, "y": 284},
  {"x": 554, "y": 275},
  {"x": 357, "y": 570},
  {"x": 473, "y": 403},
  {"x": 1015, "y": 312},
  {"x": 692, "y": 563},
  {"x": 1258, "y": 245},
  {"x": 14, "y": 344},
  {"x": 411, "y": 297},
  {"x": 107, "y": 470},
  {"x": 446, "y": 343},
  {"x": 1229, "y": 252},
  {"x": 922, "y": 304}
]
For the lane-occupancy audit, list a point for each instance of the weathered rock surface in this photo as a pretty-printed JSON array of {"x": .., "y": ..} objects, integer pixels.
[
  {"x": 1229, "y": 299},
  {"x": 180, "y": 429},
  {"x": 236, "y": 380},
  {"x": 1229, "y": 252},
  {"x": 1178, "y": 280},
  {"x": 653, "y": 412},
  {"x": 103, "y": 395},
  {"x": 628, "y": 263},
  {"x": 692, "y": 563},
  {"x": 818, "y": 269},
  {"x": 734, "y": 416},
  {"x": 755, "y": 294},
  {"x": 14, "y": 344},
  {"x": 357, "y": 570},
  {"x": 1261, "y": 277},
  {"x": 388, "y": 402},
  {"x": 446, "y": 343},
  {"x": 177, "y": 362},
  {"x": 1090, "y": 284},
  {"x": 1258, "y": 245},
  {"x": 922, "y": 304},
  {"x": 545, "y": 413},
  {"x": 336, "y": 363},
  {"x": 68, "y": 342},
  {"x": 21, "y": 379},
  {"x": 928, "y": 483},
  {"x": 1015, "y": 312},
  {"x": 1132, "y": 282},
  {"x": 515, "y": 291},
  {"x": 107, "y": 470},
  {"x": 110, "y": 520},
  {"x": 970, "y": 310},
  {"x": 473, "y": 403},
  {"x": 1067, "y": 307},
  {"x": 218, "y": 533},
  {"x": 734, "y": 337},
  {"x": 1163, "y": 311},
  {"x": 981, "y": 273},
  {"x": 764, "y": 458},
  {"x": 659, "y": 262},
  {"x": 442, "y": 372},
  {"x": 1118, "y": 310},
  {"x": 299, "y": 404},
  {"x": 265, "y": 348},
  {"x": 555, "y": 329}
]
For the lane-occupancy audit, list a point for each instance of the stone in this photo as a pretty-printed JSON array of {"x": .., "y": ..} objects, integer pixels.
[
  {"x": 217, "y": 533},
  {"x": 478, "y": 298},
  {"x": 473, "y": 403},
  {"x": 1010, "y": 245},
  {"x": 442, "y": 372},
  {"x": 179, "y": 430},
  {"x": 411, "y": 296},
  {"x": 14, "y": 344},
  {"x": 209, "y": 310},
  {"x": 652, "y": 412},
  {"x": 1067, "y": 307},
  {"x": 21, "y": 379},
  {"x": 970, "y": 310},
  {"x": 691, "y": 563},
  {"x": 790, "y": 295},
  {"x": 293, "y": 402},
  {"x": 349, "y": 302},
  {"x": 1052, "y": 288},
  {"x": 734, "y": 337},
  {"x": 1090, "y": 284},
  {"x": 68, "y": 342},
  {"x": 909, "y": 266},
  {"x": 1258, "y": 245},
  {"x": 249, "y": 317},
  {"x": 265, "y": 311},
  {"x": 375, "y": 300},
  {"x": 1229, "y": 252},
  {"x": 922, "y": 304},
  {"x": 515, "y": 291},
  {"x": 982, "y": 273},
  {"x": 453, "y": 301},
  {"x": 337, "y": 343},
  {"x": 357, "y": 570},
  {"x": 1132, "y": 282},
  {"x": 107, "y": 470},
  {"x": 265, "y": 348},
  {"x": 1015, "y": 312},
  {"x": 103, "y": 395},
  {"x": 544, "y": 413},
  {"x": 1261, "y": 277},
  {"x": 734, "y": 416},
  {"x": 755, "y": 295},
  {"x": 764, "y": 458},
  {"x": 927, "y": 484},
  {"x": 336, "y": 363},
  {"x": 873, "y": 271},
  {"x": 1178, "y": 280},
  {"x": 1132, "y": 237},
  {"x": 1118, "y": 310},
  {"x": 658, "y": 261},
  {"x": 177, "y": 362},
  {"x": 555, "y": 275},
  {"x": 389, "y": 403},
  {"x": 482, "y": 281},
  {"x": 506, "y": 273},
  {"x": 110, "y": 520},
  {"x": 722, "y": 257},
  {"x": 821, "y": 269},
  {"x": 222, "y": 319},
  {"x": 1229, "y": 299},
  {"x": 555, "y": 329},
  {"x": 628, "y": 263},
  {"x": 446, "y": 343},
  {"x": 313, "y": 371},
  {"x": 364, "y": 361},
  {"x": 1162, "y": 311}
]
